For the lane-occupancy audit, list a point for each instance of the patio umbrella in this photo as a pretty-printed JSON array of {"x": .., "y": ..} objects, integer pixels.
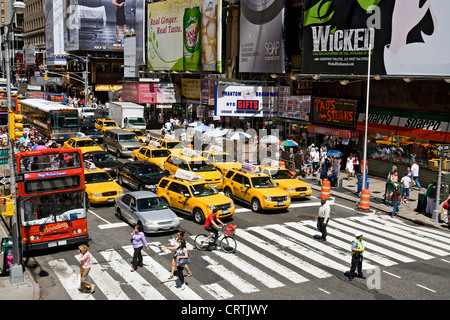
[
  {"x": 194, "y": 124},
  {"x": 269, "y": 139},
  {"x": 218, "y": 132},
  {"x": 239, "y": 136},
  {"x": 289, "y": 143},
  {"x": 334, "y": 153},
  {"x": 202, "y": 127}
]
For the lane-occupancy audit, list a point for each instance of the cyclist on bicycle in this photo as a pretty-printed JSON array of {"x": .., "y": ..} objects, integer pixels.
[{"x": 210, "y": 223}]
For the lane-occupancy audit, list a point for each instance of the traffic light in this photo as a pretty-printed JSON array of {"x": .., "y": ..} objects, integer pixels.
[
  {"x": 45, "y": 77},
  {"x": 15, "y": 123},
  {"x": 38, "y": 59},
  {"x": 68, "y": 76}
]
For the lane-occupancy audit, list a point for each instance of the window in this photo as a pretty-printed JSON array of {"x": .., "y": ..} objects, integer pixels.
[
  {"x": 229, "y": 174},
  {"x": 163, "y": 183},
  {"x": 175, "y": 187},
  {"x": 238, "y": 178},
  {"x": 53, "y": 184}
]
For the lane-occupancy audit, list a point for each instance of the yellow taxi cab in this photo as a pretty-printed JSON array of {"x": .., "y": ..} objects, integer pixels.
[
  {"x": 221, "y": 160},
  {"x": 259, "y": 190},
  {"x": 103, "y": 124},
  {"x": 86, "y": 144},
  {"x": 100, "y": 187},
  {"x": 286, "y": 180},
  {"x": 152, "y": 153},
  {"x": 189, "y": 160},
  {"x": 139, "y": 134},
  {"x": 169, "y": 142},
  {"x": 186, "y": 193}
]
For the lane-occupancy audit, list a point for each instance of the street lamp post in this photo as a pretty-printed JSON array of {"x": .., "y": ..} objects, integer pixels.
[
  {"x": 16, "y": 270},
  {"x": 364, "y": 177}
]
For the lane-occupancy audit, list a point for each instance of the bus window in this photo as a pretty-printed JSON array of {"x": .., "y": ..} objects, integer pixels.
[{"x": 50, "y": 162}]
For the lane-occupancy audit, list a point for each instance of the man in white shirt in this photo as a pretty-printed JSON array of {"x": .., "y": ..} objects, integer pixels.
[
  {"x": 406, "y": 183},
  {"x": 415, "y": 173},
  {"x": 324, "y": 217}
]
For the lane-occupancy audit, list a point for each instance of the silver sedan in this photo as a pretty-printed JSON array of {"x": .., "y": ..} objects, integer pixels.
[{"x": 146, "y": 206}]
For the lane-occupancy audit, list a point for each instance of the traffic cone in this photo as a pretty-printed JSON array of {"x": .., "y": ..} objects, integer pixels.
[
  {"x": 364, "y": 203},
  {"x": 325, "y": 191}
]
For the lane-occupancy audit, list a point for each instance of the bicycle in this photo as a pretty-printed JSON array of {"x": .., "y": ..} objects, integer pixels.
[{"x": 226, "y": 240}]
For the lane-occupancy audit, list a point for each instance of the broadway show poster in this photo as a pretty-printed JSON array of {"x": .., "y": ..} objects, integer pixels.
[
  {"x": 184, "y": 35},
  {"x": 261, "y": 46},
  {"x": 407, "y": 37},
  {"x": 98, "y": 25}
]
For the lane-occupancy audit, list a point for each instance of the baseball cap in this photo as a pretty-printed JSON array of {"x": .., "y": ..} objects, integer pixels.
[{"x": 358, "y": 234}]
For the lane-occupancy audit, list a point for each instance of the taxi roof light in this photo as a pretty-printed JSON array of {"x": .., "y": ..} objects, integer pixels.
[
  {"x": 273, "y": 163},
  {"x": 189, "y": 152},
  {"x": 154, "y": 144},
  {"x": 216, "y": 149},
  {"x": 170, "y": 137},
  {"x": 250, "y": 168},
  {"x": 81, "y": 135},
  {"x": 88, "y": 165},
  {"x": 186, "y": 175}
]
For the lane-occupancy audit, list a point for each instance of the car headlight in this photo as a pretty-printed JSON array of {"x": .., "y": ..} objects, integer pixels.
[
  {"x": 150, "y": 186},
  {"x": 96, "y": 194},
  {"x": 212, "y": 207},
  {"x": 308, "y": 189},
  {"x": 231, "y": 204},
  {"x": 288, "y": 197},
  {"x": 268, "y": 198},
  {"x": 290, "y": 189},
  {"x": 150, "y": 223},
  {"x": 176, "y": 220},
  {"x": 120, "y": 192}
]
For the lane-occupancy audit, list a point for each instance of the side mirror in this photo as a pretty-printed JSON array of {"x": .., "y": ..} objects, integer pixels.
[
  {"x": 187, "y": 195},
  {"x": 247, "y": 185}
]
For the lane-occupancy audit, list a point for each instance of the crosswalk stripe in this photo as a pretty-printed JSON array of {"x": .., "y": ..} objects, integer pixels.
[
  {"x": 145, "y": 289},
  {"x": 282, "y": 254},
  {"x": 300, "y": 249},
  {"x": 389, "y": 237},
  {"x": 68, "y": 279},
  {"x": 316, "y": 244},
  {"x": 217, "y": 291},
  {"x": 228, "y": 275},
  {"x": 344, "y": 245},
  {"x": 109, "y": 287},
  {"x": 419, "y": 244},
  {"x": 162, "y": 274},
  {"x": 250, "y": 269},
  {"x": 271, "y": 264}
]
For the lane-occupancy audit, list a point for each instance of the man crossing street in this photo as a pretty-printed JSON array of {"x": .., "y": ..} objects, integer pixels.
[{"x": 323, "y": 219}]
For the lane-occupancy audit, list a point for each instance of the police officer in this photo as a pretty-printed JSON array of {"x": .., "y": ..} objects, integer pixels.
[{"x": 357, "y": 257}]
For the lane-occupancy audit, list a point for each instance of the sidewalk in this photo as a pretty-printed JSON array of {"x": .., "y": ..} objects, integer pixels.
[
  {"x": 377, "y": 185},
  {"x": 26, "y": 290}
]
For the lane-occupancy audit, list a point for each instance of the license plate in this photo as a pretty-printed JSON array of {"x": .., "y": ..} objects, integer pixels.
[
  {"x": 166, "y": 227},
  {"x": 224, "y": 211},
  {"x": 52, "y": 244},
  {"x": 280, "y": 203},
  {"x": 62, "y": 242},
  {"x": 302, "y": 194},
  {"x": 110, "y": 199}
]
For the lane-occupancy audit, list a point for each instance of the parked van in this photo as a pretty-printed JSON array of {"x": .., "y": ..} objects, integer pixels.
[{"x": 121, "y": 142}]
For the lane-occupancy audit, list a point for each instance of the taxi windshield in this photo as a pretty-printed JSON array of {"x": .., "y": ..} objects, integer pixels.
[
  {"x": 263, "y": 182},
  {"x": 151, "y": 204},
  {"x": 109, "y": 124},
  {"x": 86, "y": 143},
  {"x": 175, "y": 145},
  {"x": 200, "y": 166},
  {"x": 102, "y": 157},
  {"x": 97, "y": 177},
  {"x": 225, "y": 157},
  {"x": 281, "y": 174},
  {"x": 203, "y": 190},
  {"x": 149, "y": 171},
  {"x": 160, "y": 153}
]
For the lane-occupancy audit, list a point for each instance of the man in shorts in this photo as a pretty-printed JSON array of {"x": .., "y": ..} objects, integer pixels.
[{"x": 210, "y": 223}]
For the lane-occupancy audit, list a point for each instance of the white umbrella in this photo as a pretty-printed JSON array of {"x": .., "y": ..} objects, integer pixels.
[
  {"x": 218, "y": 132},
  {"x": 239, "y": 136},
  {"x": 194, "y": 124},
  {"x": 269, "y": 139}
]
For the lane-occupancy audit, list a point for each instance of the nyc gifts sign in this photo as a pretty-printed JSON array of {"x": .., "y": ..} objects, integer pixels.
[{"x": 334, "y": 112}]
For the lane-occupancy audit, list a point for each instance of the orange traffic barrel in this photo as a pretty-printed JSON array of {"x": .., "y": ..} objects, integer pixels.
[
  {"x": 325, "y": 191},
  {"x": 364, "y": 203}
]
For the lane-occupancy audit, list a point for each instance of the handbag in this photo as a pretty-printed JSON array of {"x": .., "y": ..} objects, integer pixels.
[{"x": 184, "y": 261}]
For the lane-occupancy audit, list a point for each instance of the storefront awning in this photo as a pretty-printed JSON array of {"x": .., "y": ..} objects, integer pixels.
[
  {"x": 335, "y": 132},
  {"x": 107, "y": 87}
]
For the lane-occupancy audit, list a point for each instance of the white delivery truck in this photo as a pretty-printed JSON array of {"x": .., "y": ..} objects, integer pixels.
[{"x": 128, "y": 115}]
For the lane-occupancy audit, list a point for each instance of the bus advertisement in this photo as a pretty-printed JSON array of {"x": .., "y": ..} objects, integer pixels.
[
  {"x": 55, "y": 97},
  {"x": 52, "y": 120},
  {"x": 51, "y": 198}
]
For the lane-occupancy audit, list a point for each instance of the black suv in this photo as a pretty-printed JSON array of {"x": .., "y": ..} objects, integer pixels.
[
  {"x": 103, "y": 160},
  {"x": 140, "y": 175},
  {"x": 90, "y": 131}
]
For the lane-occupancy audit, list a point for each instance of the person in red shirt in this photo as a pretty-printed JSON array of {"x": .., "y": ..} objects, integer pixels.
[{"x": 210, "y": 223}]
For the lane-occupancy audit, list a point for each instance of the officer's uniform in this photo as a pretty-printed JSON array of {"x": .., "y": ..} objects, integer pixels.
[{"x": 357, "y": 257}]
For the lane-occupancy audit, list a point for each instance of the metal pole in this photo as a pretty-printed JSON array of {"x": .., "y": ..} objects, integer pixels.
[
  {"x": 86, "y": 79},
  {"x": 436, "y": 211},
  {"x": 364, "y": 186},
  {"x": 16, "y": 271}
]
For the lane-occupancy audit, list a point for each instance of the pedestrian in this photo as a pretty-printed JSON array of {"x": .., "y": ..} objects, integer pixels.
[
  {"x": 349, "y": 166},
  {"x": 180, "y": 235},
  {"x": 406, "y": 185},
  {"x": 182, "y": 258},
  {"x": 323, "y": 218},
  {"x": 431, "y": 197},
  {"x": 138, "y": 240},
  {"x": 324, "y": 166},
  {"x": 415, "y": 173},
  {"x": 396, "y": 198},
  {"x": 357, "y": 257},
  {"x": 85, "y": 262}
]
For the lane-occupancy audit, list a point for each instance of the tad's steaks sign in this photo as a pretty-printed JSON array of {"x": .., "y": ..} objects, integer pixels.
[{"x": 334, "y": 112}]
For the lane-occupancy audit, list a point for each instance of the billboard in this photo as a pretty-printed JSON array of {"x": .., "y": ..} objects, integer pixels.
[
  {"x": 246, "y": 101},
  {"x": 98, "y": 25},
  {"x": 406, "y": 37},
  {"x": 334, "y": 112},
  {"x": 261, "y": 46},
  {"x": 54, "y": 32},
  {"x": 185, "y": 35}
]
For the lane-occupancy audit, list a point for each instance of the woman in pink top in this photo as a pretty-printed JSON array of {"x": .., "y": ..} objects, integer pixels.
[{"x": 85, "y": 261}]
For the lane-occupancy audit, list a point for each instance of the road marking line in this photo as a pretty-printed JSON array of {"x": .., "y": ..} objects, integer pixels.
[
  {"x": 99, "y": 216},
  {"x": 425, "y": 288},
  {"x": 445, "y": 260},
  {"x": 217, "y": 291},
  {"x": 113, "y": 225},
  {"x": 324, "y": 291},
  {"x": 391, "y": 274}
]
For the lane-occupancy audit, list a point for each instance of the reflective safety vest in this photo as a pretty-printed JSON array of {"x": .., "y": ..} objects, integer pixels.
[{"x": 359, "y": 246}]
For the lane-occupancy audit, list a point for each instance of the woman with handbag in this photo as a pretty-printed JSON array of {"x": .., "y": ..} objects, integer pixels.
[
  {"x": 180, "y": 235},
  {"x": 138, "y": 240},
  {"x": 182, "y": 260},
  {"x": 85, "y": 261}
]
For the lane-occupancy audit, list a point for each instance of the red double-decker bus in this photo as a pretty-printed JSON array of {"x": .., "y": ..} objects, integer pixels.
[
  {"x": 51, "y": 200},
  {"x": 4, "y": 110}
]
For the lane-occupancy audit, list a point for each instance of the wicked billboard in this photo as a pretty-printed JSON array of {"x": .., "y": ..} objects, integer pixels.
[{"x": 406, "y": 37}]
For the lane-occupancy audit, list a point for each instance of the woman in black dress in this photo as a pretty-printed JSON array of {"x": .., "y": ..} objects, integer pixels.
[{"x": 120, "y": 17}]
